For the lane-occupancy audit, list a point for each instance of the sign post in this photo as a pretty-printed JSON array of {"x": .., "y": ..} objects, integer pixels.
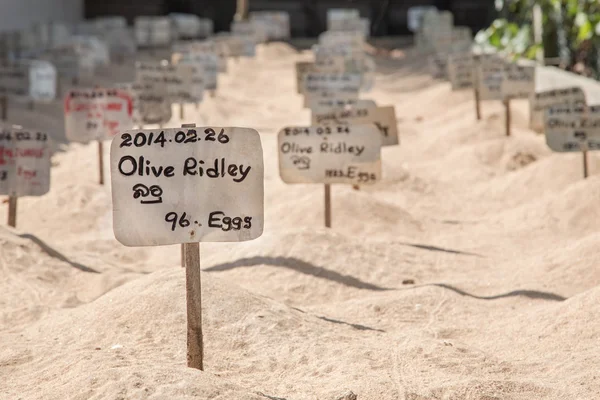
[
  {"x": 184, "y": 186},
  {"x": 24, "y": 166},
  {"x": 348, "y": 154},
  {"x": 327, "y": 205},
  {"x": 477, "y": 104},
  {"x": 95, "y": 115},
  {"x": 507, "y": 114},
  {"x": 12, "y": 211}
]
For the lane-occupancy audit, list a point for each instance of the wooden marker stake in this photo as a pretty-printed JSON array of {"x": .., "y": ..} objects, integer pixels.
[
  {"x": 181, "y": 112},
  {"x": 190, "y": 258},
  {"x": 327, "y": 205},
  {"x": 4, "y": 107},
  {"x": 477, "y": 105},
  {"x": 12, "y": 211},
  {"x": 101, "y": 161},
  {"x": 585, "y": 163},
  {"x": 507, "y": 120}
]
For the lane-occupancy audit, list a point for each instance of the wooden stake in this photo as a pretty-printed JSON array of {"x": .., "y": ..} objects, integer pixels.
[
  {"x": 477, "y": 105},
  {"x": 585, "y": 163},
  {"x": 4, "y": 107},
  {"x": 190, "y": 260},
  {"x": 12, "y": 211},
  {"x": 101, "y": 161},
  {"x": 507, "y": 119},
  {"x": 327, "y": 205},
  {"x": 181, "y": 111}
]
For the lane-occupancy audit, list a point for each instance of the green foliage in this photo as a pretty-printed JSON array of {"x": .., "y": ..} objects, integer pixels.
[{"x": 571, "y": 31}]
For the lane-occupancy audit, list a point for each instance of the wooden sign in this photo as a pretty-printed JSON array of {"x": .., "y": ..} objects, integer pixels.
[
  {"x": 572, "y": 128},
  {"x": 460, "y": 70},
  {"x": 348, "y": 154},
  {"x": 330, "y": 85},
  {"x": 303, "y": 68},
  {"x": 153, "y": 31},
  {"x": 151, "y": 104},
  {"x": 248, "y": 29},
  {"x": 97, "y": 114},
  {"x": 187, "y": 185},
  {"x": 573, "y": 98},
  {"x": 35, "y": 80},
  {"x": 277, "y": 23},
  {"x": 184, "y": 83},
  {"x": 490, "y": 75},
  {"x": 438, "y": 66},
  {"x": 383, "y": 117},
  {"x": 24, "y": 162},
  {"x": 92, "y": 48},
  {"x": 207, "y": 62},
  {"x": 518, "y": 81},
  {"x": 321, "y": 106}
]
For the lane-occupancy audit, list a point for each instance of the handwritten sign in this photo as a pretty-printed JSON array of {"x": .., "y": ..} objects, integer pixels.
[
  {"x": 277, "y": 23},
  {"x": 207, "y": 62},
  {"x": 490, "y": 75},
  {"x": 150, "y": 102},
  {"x": 438, "y": 66},
  {"x": 460, "y": 70},
  {"x": 383, "y": 117},
  {"x": 330, "y": 85},
  {"x": 151, "y": 31},
  {"x": 97, "y": 114},
  {"x": 569, "y": 127},
  {"x": 572, "y": 98},
  {"x": 24, "y": 162},
  {"x": 184, "y": 82},
  {"x": 348, "y": 154},
  {"x": 320, "y": 106},
  {"x": 187, "y": 185},
  {"x": 518, "y": 81}
]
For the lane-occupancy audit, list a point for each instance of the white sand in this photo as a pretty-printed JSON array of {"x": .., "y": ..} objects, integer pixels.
[{"x": 499, "y": 235}]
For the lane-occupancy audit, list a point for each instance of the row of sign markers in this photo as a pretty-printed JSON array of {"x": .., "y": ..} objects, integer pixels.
[{"x": 569, "y": 123}]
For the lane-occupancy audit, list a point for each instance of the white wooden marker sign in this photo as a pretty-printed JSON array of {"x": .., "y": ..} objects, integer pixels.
[
  {"x": 97, "y": 114},
  {"x": 321, "y": 106},
  {"x": 383, "y": 117},
  {"x": 24, "y": 162},
  {"x": 571, "y": 129},
  {"x": 348, "y": 154},
  {"x": 330, "y": 85},
  {"x": 438, "y": 66},
  {"x": 518, "y": 81},
  {"x": 150, "y": 102},
  {"x": 490, "y": 74},
  {"x": 460, "y": 70},
  {"x": 187, "y": 185},
  {"x": 184, "y": 82}
]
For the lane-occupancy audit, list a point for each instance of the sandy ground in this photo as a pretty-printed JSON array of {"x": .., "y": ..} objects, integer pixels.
[{"x": 469, "y": 272}]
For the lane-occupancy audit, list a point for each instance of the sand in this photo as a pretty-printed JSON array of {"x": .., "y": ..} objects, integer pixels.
[{"x": 469, "y": 272}]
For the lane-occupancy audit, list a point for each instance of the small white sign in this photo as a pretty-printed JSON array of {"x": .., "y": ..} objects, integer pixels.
[
  {"x": 97, "y": 114},
  {"x": 152, "y": 31},
  {"x": 151, "y": 104},
  {"x": 460, "y": 70},
  {"x": 571, "y": 98},
  {"x": 330, "y": 85},
  {"x": 348, "y": 154},
  {"x": 184, "y": 83},
  {"x": 383, "y": 117},
  {"x": 569, "y": 129},
  {"x": 518, "y": 81},
  {"x": 438, "y": 66},
  {"x": 490, "y": 75},
  {"x": 207, "y": 62},
  {"x": 321, "y": 106},
  {"x": 187, "y": 185},
  {"x": 42, "y": 81},
  {"x": 24, "y": 162}
]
